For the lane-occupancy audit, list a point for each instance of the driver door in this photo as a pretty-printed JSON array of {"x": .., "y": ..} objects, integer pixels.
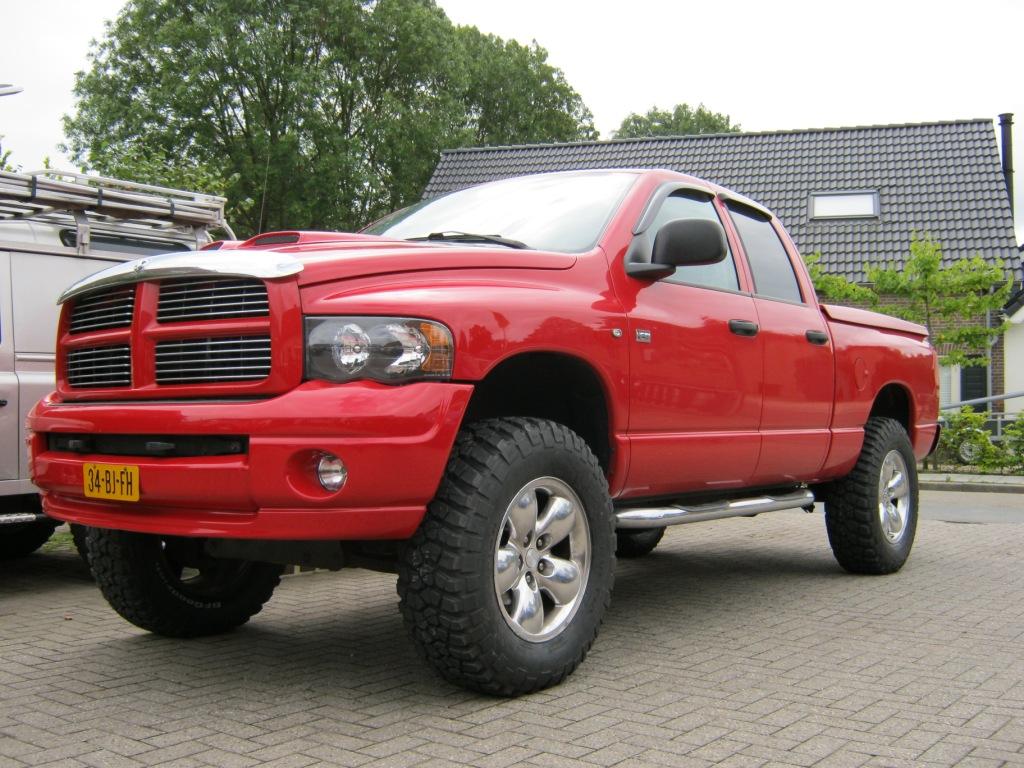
[{"x": 695, "y": 371}]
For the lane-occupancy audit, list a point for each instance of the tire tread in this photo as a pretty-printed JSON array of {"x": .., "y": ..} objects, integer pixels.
[
  {"x": 851, "y": 511},
  {"x": 432, "y": 580}
]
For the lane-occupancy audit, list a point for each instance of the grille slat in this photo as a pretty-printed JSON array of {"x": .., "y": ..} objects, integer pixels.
[
  {"x": 100, "y": 367},
  {"x": 205, "y": 298},
  {"x": 111, "y": 308},
  {"x": 241, "y": 358}
]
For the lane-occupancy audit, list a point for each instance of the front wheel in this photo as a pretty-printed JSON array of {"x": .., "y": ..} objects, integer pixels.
[
  {"x": 871, "y": 514},
  {"x": 504, "y": 585},
  {"x": 170, "y": 586}
]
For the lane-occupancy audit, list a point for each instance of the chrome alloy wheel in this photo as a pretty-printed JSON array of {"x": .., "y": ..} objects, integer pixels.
[
  {"x": 542, "y": 559},
  {"x": 894, "y": 500}
]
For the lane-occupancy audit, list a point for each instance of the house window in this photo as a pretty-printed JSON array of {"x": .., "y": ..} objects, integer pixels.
[
  {"x": 974, "y": 384},
  {"x": 844, "y": 205},
  {"x": 957, "y": 384},
  {"x": 949, "y": 385}
]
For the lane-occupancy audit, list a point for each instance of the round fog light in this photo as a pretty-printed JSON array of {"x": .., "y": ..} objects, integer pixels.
[{"x": 331, "y": 472}]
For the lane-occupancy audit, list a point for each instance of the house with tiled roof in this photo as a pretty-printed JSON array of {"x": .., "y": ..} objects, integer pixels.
[{"x": 855, "y": 195}]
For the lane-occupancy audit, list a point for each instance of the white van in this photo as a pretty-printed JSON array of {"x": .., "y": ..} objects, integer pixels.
[{"x": 56, "y": 228}]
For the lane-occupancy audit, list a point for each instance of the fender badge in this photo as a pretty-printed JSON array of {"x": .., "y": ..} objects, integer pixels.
[{"x": 139, "y": 266}]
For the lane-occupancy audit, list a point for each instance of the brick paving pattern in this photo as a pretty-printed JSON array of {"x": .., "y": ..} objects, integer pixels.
[{"x": 737, "y": 643}]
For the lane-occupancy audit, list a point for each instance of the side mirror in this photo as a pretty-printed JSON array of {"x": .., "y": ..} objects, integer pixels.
[
  {"x": 689, "y": 242},
  {"x": 683, "y": 242}
]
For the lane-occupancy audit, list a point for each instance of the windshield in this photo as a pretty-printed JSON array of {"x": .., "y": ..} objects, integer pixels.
[{"x": 553, "y": 212}]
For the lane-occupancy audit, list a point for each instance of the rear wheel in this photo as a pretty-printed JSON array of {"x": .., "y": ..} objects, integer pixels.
[
  {"x": 505, "y": 583},
  {"x": 871, "y": 514},
  {"x": 637, "y": 542},
  {"x": 170, "y": 586},
  {"x": 21, "y": 539}
]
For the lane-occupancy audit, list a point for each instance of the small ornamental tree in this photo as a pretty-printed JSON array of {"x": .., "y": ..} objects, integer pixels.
[
  {"x": 942, "y": 298},
  {"x": 834, "y": 287},
  {"x": 959, "y": 304}
]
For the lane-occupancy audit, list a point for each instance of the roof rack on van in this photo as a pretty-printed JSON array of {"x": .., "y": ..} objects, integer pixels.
[{"x": 49, "y": 195}]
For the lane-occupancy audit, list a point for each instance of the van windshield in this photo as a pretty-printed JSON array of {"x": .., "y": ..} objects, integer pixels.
[{"x": 564, "y": 212}]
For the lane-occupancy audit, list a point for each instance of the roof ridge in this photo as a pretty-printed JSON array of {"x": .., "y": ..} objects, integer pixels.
[{"x": 701, "y": 136}]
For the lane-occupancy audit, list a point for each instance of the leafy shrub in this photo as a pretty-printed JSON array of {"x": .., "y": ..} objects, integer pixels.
[
  {"x": 1013, "y": 441},
  {"x": 966, "y": 440}
]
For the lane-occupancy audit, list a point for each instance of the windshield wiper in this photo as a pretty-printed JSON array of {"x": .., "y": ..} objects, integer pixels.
[{"x": 452, "y": 236}]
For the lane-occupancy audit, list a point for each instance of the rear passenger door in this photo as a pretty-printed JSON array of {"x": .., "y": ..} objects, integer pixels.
[{"x": 799, "y": 375}]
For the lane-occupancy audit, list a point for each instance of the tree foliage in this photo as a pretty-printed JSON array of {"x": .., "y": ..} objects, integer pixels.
[
  {"x": 959, "y": 304},
  {"x": 835, "y": 287},
  {"x": 965, "y": 439},
  {"x": 681, "y": 120},
  {"x": 316, "y": 114}
]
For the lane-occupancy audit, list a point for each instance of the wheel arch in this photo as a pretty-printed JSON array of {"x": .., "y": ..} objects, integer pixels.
[
  {"x": 895, "y": 401},
  {"x": 549, "y": 385}
]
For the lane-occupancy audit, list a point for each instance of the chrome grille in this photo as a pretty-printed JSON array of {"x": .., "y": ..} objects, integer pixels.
[
  {"x": 236, "y": 358},
  {"x": 203, "y": 298},
  {"x": 100, "y": 367},
  {"x": 111, "y": 308}
]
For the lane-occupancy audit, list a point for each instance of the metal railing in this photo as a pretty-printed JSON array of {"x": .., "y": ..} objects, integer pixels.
[{"x": 994, "y": 422}]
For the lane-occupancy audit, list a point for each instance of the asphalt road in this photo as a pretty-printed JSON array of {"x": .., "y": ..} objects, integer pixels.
[{"x": 960, "y": 507}]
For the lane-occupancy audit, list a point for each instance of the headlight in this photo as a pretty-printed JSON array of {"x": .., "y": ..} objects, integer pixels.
[{"x": 388, "y": 349}]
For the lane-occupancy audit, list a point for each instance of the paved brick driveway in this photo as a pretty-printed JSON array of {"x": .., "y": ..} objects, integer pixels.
[{"x": 738, "y": 643}]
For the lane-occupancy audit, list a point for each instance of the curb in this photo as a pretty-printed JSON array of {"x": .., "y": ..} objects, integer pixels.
[{"x": 953, "y": 485}]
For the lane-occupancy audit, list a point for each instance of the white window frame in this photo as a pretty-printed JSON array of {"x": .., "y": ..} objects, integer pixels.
[{"x": 872, "y": 193}]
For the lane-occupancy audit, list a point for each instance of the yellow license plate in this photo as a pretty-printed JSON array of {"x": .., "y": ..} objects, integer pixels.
[{"x": 111, "y": 481}]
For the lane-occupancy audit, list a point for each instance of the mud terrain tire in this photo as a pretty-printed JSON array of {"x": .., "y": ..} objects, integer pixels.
[
  {"x": 871, "y": 514},
  {"x": 168, "y": 586},
  {"x": 522, "y": 503}
]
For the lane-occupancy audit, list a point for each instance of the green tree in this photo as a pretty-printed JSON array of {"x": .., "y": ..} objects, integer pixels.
[
  {"x": 532, "y": 103},
  {"x": 836, "y": 288},
  {"x": 681, "y": 120},
  {"x": 959, "y": 304},
  {"x": 316, "y": 114}
]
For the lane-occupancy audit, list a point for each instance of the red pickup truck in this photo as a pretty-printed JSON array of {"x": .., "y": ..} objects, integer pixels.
[{"x": 491, "y": 393}]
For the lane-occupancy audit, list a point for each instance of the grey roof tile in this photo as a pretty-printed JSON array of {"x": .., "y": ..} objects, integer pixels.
[{"x": 943, "y": 179}]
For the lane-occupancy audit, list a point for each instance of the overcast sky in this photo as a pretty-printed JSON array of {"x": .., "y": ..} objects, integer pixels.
[{"x": 770, "y": 66}]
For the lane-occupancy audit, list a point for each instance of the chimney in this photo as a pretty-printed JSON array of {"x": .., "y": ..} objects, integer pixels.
[{"x": 1006, "y": 132}]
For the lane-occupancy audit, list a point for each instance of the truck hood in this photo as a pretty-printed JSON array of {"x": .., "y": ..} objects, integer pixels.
[
  {"x": 324, "y": 262},
  {"x": 318, "y": 262}
]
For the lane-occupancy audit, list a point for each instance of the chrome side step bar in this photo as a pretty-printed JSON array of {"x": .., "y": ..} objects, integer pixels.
[
  {"x": 677, "y": 514},
  {"x": 14, "y": 518}
]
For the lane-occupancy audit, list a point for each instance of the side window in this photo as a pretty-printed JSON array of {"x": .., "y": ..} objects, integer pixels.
[
  {"x": 687, "y": 205},
  {"x": 773, "y": 272}
]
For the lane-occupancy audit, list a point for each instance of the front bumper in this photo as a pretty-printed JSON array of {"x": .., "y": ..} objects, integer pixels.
[{"x": 395, "y": 442}]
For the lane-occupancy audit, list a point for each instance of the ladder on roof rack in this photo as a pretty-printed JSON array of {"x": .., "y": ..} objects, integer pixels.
[{"x": 57, "y": 195}]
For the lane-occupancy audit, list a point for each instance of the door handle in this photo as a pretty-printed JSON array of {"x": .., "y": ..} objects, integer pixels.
[
  {"x": 3, "y": 403},
  {"x": 743, "y": 327},
  {"x": 817, "y": 337}
]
